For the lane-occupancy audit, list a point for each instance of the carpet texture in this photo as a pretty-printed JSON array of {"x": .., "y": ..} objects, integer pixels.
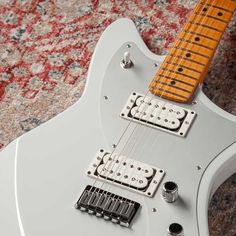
[{"x": 45, "y": 49}]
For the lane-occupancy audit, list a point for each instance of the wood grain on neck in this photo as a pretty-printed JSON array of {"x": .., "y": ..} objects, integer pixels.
[{"x": 187, "y": 62}]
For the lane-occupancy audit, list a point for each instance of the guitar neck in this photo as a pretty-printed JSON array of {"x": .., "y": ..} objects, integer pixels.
[{"x": 188, "y": 61}]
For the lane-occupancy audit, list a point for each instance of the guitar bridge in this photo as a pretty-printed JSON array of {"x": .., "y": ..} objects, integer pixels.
[
  {"x": 158, "y": 114},
  {"x": 101, "y": 203}
]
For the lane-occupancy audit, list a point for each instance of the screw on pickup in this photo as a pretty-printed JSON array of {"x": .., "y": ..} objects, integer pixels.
[{"x": 101, "y": 203}]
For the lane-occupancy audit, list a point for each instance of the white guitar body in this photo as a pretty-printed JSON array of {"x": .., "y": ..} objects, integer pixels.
[{"x": 43, "y": 173}]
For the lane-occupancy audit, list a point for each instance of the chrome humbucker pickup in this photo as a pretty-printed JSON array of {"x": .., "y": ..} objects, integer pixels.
[
  {"x": 110, "y": 206},
  {"x": 158, "y": 114},
  {"x": 126, "y": 172}
]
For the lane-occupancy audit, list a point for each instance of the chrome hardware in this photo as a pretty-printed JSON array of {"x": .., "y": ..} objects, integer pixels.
[
  {"x": 175, "y": 229},
  {"x": 170, "y": 191},
  {"x": 110, "y": 206},
  {"x": 126, "y": 62}
]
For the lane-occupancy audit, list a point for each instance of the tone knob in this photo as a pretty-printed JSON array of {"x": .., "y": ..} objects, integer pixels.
[{"x": 170, "y": 191}]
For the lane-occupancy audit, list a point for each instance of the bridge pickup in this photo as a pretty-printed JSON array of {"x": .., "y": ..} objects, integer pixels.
[
  {"x": 101, "y": 203},
  {"x": 126, "y": 172},
  {"x": 158, "y": 114}
]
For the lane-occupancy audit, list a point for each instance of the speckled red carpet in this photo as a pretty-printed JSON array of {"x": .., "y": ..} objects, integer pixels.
[{"x": 45, "y": 49}]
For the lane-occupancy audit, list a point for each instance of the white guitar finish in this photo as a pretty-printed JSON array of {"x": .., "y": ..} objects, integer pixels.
[{"x": 48, "y": 172}]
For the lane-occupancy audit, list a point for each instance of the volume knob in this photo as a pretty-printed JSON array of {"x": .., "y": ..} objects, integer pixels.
[{"x": 175, "y": 229}]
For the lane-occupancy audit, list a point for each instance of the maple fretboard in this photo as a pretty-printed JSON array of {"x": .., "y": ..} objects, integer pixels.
[{"x": 187, "y": 62}]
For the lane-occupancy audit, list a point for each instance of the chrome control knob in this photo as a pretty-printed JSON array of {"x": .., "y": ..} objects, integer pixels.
[
  {"x": 170, "y": 191},
  {"x": 175, "y": 229}
]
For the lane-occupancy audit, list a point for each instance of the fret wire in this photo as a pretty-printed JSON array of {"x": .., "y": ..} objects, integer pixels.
[
  {"x": 195, "y": 48},
  {"x": 209, "y": 21},
  {"x": 192, "y": 52},
  {"x": 202, "y": 30},
  {"x": 175, "y": 58},
  {"x": 229, "y": 5},
  {"x": 179, "y": 76},
  {"x": 172, "y": 76},
  {"x": 198, "y": 44},
  {"x": 206, "y": 26},
  {"x": 186, "y": 63},
  {"x": 202, "y": 42},
  {"x": 187, "y": 59},
  {"x": 182, "y": 74},
  {"x": 165, "y": 82},
  {"x": 170, "y": 92},
  {"x": 173, "y": 86},
  {"x": 183, "y": 66},
  {"x": 201, "y": 35},
  {"x": 187, "y": 69},
  {"x": 202, "y": 10},
  {"x": 212, "y": 17},
  {"x": 179, "y": 81},
  {"x": 217, "y": 7}
]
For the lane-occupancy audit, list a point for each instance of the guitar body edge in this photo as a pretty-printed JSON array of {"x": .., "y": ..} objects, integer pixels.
[{"x": 116, "y": 35}]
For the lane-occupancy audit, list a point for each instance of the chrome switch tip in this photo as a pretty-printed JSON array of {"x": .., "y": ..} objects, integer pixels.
[{"x": 126, "y": 62}]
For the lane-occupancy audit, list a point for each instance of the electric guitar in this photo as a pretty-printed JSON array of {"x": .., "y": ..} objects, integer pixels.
[{"x": 141, "y": 153}]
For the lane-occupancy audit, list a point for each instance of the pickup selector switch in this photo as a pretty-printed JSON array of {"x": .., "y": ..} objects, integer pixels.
[{"x": 126, "y": 62}]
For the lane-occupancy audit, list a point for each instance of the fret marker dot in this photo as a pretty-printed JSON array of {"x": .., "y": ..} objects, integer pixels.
[
  {"x": 172, "y": 82},
  {"x": 180, "y": 69},
  {"x": 197, "y": 39},
  {"x": 204, "y": 9},
  {"x": 220, "y": 14},
  {"x": 188, "y": 54}
]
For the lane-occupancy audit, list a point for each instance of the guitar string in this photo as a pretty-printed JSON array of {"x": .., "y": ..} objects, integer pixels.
[
  {"x": 131, "y": 134},
  {"x": 114, "y": 162},
  {"x": 180, "y": 62},
  {"x": 206, "y": 33},
  {"x": 193, "y": 35},
  {"x": 135, "y": 149},
  {"x": 200, "y": 33},
  {"x": 111, "y": 155},
  {"x": 149, "y": 131}
]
